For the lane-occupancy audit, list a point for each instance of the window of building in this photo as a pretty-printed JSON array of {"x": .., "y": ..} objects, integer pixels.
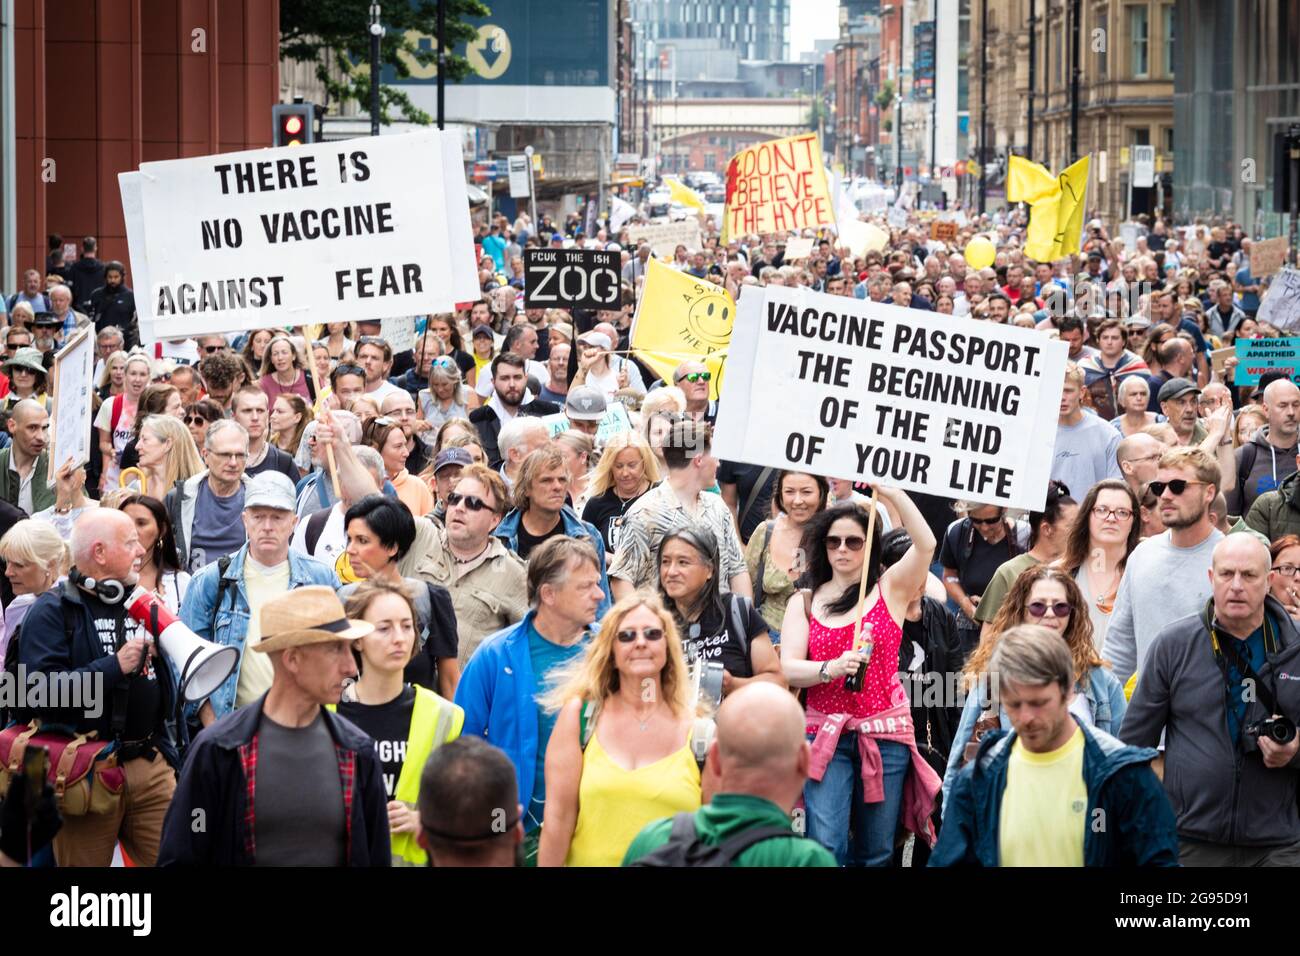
[
  {"x": 1099, "y": 24},
  {"x": 1167, "y": 30},
  {"x": 1141, "y": 136},
  {"x": 1139, "y": 47},
  {"x": 1167, "y": 135}
]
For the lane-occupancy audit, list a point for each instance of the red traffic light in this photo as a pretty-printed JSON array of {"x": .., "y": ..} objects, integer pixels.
[{"x": 293, "y": 125}]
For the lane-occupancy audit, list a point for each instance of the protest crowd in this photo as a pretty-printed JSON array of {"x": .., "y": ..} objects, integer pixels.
[{"x": 493, "y": 600}]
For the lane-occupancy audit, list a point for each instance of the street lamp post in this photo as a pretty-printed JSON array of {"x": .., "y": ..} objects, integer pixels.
[
  {"x": 532, "y": 189},
  {"x": 442, "y": 62},
  {"x": 984, "y": 101},
  {"x": 377, "y": 31}
]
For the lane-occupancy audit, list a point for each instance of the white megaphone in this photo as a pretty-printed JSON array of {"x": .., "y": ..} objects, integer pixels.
[{"x": 203, "y": 666}]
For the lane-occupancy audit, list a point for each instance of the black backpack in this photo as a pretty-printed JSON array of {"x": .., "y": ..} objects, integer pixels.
[{"x": 685, "y": 848}]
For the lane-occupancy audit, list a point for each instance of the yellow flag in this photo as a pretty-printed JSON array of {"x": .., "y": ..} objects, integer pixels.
[
  {"x": 681, "y": 318},
  {"x": 683, "y": 194},
  {"x": 1074, "y": 200},
  {"x": 1030, "y": 182}
]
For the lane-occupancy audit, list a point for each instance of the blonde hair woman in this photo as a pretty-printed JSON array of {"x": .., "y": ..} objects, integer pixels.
[
  {"x": 35, "y": 559},
  {"x": 657, "y": 413},
  {"x": 167, "y": 454},
  {"x": 115, "y": 419},
  {"x": 621, "y": 752},
  {"x": 627, "y": 469},
  {"x": 113, "y": 379},
  {"x": 576, "y": 448}
]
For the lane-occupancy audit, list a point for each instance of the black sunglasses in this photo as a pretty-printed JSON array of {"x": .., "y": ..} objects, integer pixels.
[
  {"x": 1177, "y": 486},
  {"x": 470, "y": 502},
  {"x": 631, "y": 634},
  {"x": 853, "y": 542},
  {"x": 213, "y": 348},
  {"x": 987, "y": 521},
  {"x": 1039, "y": 608}
]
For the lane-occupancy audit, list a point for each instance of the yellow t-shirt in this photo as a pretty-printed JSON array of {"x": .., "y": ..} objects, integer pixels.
[
  {"x": 1044, "y": 807},
  {"x": 255, "y": 670},
  {"x": 615, "y": 804}
]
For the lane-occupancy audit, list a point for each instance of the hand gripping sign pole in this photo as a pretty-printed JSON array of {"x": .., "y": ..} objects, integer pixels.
[
  {"x": 312, "y": 335},
  {"x": 853, "y": 683}
]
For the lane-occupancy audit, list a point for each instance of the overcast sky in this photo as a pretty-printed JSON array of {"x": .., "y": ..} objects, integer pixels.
[{"x": 811, "y": 20}]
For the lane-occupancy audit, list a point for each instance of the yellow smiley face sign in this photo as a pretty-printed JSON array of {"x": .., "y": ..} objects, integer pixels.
[
  {"x": 489, "y": 52},
  {"x": 709, "y": 320}
]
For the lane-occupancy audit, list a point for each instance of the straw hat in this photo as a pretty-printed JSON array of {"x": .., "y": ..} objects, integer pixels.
[{"x": 309, "y": 615}]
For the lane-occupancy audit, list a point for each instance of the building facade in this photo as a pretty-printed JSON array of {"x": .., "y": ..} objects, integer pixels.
[
  {"x": 1125, "y": 84},
  {"x": 1237, "y": 84},
  {"x": 752, "y": 29}
]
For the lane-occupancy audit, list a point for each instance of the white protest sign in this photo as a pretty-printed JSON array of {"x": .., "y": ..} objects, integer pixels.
[
  {"x": 1144, "y": 167},
  {"x": 665, "y": 237},
  {"x": 897, "y": 217},
  {"x": 800, "y": 247},
  {"x": 74, "y": 366},
  {"x": 850, "y": 388},
  {"x": 1267, "y": 256},
  {"x": 399, "y": 332},
  {"x": 616, "y": 420},
  {"x": 1281, "y": 304},
  {"x": 358, "y": 229}
]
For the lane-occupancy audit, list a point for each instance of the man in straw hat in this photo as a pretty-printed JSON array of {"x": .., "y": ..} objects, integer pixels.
[{"x": 284, "y": 781}]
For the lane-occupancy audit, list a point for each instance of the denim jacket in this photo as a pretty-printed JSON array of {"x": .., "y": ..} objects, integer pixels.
[
  {"x": 230, "y": 622},
  {"x": 574, "y": 527},
  {"x": 1106, "y": 703}
]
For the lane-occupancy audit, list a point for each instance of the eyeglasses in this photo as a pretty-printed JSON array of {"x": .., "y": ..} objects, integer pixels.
[
  {"x": 1286, "y": 570},
  {"x": 1177, "y": 486},
  {"x": 194, "y": 420},
  {"x": 1158, "y": 454},
  {"x": 987, "y": 522},
  {"x": 853, "y": 542},
  {"x": 229, "y": 455},
  {"x": 1039, "y": 608},
  {"x": 1119, "y": 514},
  {"x": 694, "y": 377},
  {"x": 470, "y": 502},
  {"x": 209, "y": 349},
  {"x": 632, "y": 633}
]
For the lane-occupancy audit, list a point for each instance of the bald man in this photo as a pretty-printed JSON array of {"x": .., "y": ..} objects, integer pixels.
[
  {"x": 760, "y": 757},
  {"x": 80, "y": 638},
  {"x": 1269, "y": 458},
  {"x": 25, "y": 464},
  {"x": 1137, "y": 456},
  {"x": 1223, "y": 668}
]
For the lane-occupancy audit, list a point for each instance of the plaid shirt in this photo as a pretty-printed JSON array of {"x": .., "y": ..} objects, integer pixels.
[{"x": 656, "y": 513}]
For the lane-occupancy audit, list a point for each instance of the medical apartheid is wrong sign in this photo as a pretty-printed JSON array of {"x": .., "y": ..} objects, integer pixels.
[
  {"x": 367, "y": 228},
  {"x": 916, "y": 400}
]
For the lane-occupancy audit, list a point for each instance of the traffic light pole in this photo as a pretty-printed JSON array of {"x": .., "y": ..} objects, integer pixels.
[
  {"x": 442, "y": 62},
  {"x": 377, "y": 31},
  {"x": 1293, "y": 154}
]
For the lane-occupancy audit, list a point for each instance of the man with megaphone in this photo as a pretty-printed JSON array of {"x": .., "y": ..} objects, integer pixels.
[{"x": 85, "y": 628}]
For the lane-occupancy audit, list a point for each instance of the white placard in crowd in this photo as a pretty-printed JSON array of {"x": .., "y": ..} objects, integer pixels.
[
  {"x": 1281, "y": 303},
  {"x": 72, "y": 375},
  {"x": 517, "y": 168},
  {"x": 849, "y": 388},
  {"x": 616, "y": 420},
  {"x": 800, "y": 247},
  {"x": 1267, "y": 256},
  {"x": 665, "y": 237},
  {"x": 897, "y": 218},
  {"x": 365, "y": 228},
  {"x": 399, "y": 332},
  {"x": 1144, "y": 167}
]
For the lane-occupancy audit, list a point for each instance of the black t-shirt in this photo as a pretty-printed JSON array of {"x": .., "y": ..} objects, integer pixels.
[
  {"x": 388, "y": 725},
  {"x": 982, "y": 559},
  {"x": 275, "y": 460},
  {"x": 605, "y": 511},
  {"x": 711, "y": 636},
  {"x": 528, "y": 541},
  {"x": 464, "y": 361},
  {"x": 403, "y": 362},
  {"x": 437, "y": 630},
  {"x": 745, "y": 477},
  {"x": 144, "y": 700}
]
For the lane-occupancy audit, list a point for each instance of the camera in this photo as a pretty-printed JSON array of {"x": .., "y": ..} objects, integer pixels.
[{"x": 1280, "y": 730}]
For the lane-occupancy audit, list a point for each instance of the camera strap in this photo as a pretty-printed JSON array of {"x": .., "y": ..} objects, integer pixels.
[{"x": 1226, "y": 645}]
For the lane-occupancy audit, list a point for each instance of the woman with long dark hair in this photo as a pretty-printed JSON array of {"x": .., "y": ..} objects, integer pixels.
[
  {"x": 848, "y": 727},
  {"x": 1107, "y": 530},
  {"x": 1048, "y": 596},
  {"x": 160, "y": 567},
  {"x": 1048, "y": 530},
  {"x": 725, "y": 629},
  {"x": 772, "y": 555}
]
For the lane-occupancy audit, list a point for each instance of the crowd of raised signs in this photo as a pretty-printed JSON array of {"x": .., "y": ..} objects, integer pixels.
[{"x": 495, "y": 600}]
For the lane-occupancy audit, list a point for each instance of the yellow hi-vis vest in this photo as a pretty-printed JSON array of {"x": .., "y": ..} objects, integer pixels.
[{"x": 434, "y": 721}]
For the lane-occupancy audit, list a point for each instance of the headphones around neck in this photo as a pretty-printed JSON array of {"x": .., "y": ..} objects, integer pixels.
[{"x": 108, "y": 591}]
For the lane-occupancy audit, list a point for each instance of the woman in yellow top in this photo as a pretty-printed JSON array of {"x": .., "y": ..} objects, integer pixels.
[{"x": 630, "y": 700}]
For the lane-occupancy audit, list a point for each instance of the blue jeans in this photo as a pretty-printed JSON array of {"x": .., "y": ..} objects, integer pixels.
[{"x": 835, "y": 806}]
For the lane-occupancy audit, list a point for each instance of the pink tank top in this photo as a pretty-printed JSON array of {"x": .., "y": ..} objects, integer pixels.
[{"x": 881, "y": 688}]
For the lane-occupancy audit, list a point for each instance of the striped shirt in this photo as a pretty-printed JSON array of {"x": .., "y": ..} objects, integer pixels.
[{"x": 656, "y": 513}]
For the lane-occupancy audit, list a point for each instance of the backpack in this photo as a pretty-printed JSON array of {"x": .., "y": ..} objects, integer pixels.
[
  {"x": 685, "y": 848},
  {"x": 119, "y": 402},
  {"x": 315, "y": 525}
]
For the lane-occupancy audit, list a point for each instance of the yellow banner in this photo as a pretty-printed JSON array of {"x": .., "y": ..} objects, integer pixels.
[
  {"x": 1029, "y": 182},
  {"x": 680, "y": 192},
  {"x": 1055, "y": 216},
  {"x": 777, "y": 187},
  {"x": 681, "y": 318}
]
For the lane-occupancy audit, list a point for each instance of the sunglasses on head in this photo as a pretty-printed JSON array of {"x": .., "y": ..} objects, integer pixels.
[
  {"x": 350, "y": 370},
  {"x": 1177, "y": 486},
  {"x": 1040, "y": 608},
  {"x": 470, "y": 502},
  {"x": 630, "y": 634},
  {"x": 853, "y": 542},
  {"x": 695, "y": 377}
]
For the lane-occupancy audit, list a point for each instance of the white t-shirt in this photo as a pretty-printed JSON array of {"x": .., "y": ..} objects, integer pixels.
[
  {"x": 333, "y": 539},
  {"x": 536, "y": 369},
  {"x": 384, "y": 389}
]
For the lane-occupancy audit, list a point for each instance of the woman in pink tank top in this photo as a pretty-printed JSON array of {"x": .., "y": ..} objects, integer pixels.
[{"x": 864, "y": 751}]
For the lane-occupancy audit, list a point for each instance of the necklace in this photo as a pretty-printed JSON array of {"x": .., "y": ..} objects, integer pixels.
[
  {"x": 460, "y": 560},
  {"x": 644, "y": 723}
]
